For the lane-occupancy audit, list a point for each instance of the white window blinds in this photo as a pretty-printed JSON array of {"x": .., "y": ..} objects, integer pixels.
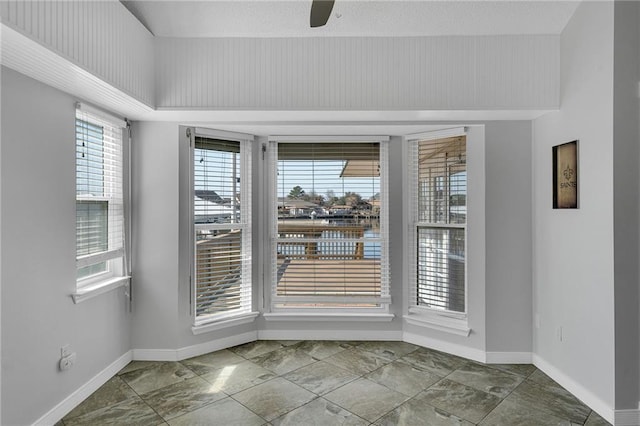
[
  {"x": 330, "y": 245},
  {"x": 222, "y": 227},
  {"x": 439, "y": 188},
  {"x": 99, "y": 197}
]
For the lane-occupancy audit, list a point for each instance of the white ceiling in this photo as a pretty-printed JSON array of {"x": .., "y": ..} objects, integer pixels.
[{"x": 290, "y": 18}]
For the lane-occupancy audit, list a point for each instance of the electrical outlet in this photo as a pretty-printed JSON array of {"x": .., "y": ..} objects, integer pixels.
[
  {"x": 67, "y": 362},
  {"x": 65, "y": 351}
]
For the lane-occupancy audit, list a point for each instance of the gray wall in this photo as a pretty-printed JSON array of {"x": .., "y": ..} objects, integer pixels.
[
  {"x": 161, "y": 285},
  {"x": 508, "y": 236},
  {"x": 155, "y": 235},
  {"x": 626, "y": 212},
  {"x": 38, "y": 272},
  {"x": 573, "y": 249},
  {"x": 162, "y": 318}
]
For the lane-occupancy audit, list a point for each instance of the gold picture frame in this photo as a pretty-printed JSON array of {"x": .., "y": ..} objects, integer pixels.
[{"x": 565, "y": 175}]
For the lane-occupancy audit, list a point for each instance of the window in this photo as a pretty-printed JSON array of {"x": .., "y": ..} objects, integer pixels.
[
  {"x": 439, "y": 214},
  {"x": 221, "y": 228},
  {"x": 329, "y": 225},
  {"x": 100, "y": 222}
]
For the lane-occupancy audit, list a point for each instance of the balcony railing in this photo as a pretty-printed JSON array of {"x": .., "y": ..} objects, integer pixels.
[{"x": 327, "y": 262}]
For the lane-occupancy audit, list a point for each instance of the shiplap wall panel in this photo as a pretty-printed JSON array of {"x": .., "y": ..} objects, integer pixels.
[
  {"x": 101, "y": 37},
  {"x": 531, "y": 58},
  {"x": 441, "y": 73}
]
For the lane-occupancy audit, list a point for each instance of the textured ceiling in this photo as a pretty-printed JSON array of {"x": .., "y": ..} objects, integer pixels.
[{"x": 268, "y": 18}]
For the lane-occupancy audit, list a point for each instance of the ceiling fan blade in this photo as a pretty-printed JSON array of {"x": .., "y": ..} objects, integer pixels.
[{"x": 320, "y": 12}]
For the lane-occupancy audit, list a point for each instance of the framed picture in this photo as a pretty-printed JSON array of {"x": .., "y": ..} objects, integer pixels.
[{"x": 565, "y": 176}]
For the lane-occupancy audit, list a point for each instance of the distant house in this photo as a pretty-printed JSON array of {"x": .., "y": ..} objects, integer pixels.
[
  {"x": 296, "y": 207},
  {"x": 207, "y": 211}
]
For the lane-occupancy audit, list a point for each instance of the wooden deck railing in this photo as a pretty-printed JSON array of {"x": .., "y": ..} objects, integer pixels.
[
  {"x": 218, "y": 265},
  {"x": 307, "y": 236}
]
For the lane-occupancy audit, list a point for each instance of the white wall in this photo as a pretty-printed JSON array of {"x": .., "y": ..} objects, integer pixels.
[
  {"x": 38, "y": 273},
  {"x": 626, "y": 178},
  {"x": 573, "y": 249},
  {"x": 359, "y": 73}
]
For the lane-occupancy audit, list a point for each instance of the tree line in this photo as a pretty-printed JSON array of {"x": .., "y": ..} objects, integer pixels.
[{"x": 329, "y": 198}]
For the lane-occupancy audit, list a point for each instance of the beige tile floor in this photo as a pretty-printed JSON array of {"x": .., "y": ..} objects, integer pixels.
[{"x": 330, "y": 383}]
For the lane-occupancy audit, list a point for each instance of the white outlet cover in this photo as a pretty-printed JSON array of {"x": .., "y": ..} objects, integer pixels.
[
  {"x": 65, "y": 351},
  {"x": 67, "y": 362}
]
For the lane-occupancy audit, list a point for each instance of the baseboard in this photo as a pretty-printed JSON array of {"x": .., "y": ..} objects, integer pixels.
[
  {"x": 627, "y": 417},
  {"x": 216, "y": 345},
  {"x": 440, "y": 345},
  {"x": 193, "y": 350},
  {"x": 509, "y": 358},
  {"x": 392, "y": 335},
  {"x": 584, "y": 395},
  {"x": 69, "y": 403}
]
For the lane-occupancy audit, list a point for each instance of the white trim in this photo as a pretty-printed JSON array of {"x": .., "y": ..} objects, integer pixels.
[
  {"x": 83, "y": 392},
  {"x": 579, "y": 391},
  {"x": 437, "y": 134},
  {"x": 311, "y": 316},
  {"x": 194, "y": 350},
  {"x": 92, "y": 259},
  {"x": 509, "y": 358},
  {"x": 29, "y": 57},
  {"x": 441, "y": 225},
  {"x": 222, "y": 134},
  {"x": 91, "y": 291},
  {"x": 440, "y": 323},
  {"x": 110, "y": 118},
  {"x": 350, "y": 138},
  {"x": 376, "y": 335},
  {"x": 627, "y": 417},
  {"x": 443, "y": 346},
  {"x": 331, "y": 299},
  {"x": 245, "y": 318},
  {"x": 155, "y": 354}
]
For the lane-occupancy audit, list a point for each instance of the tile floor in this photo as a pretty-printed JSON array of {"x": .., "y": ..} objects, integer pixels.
[{"x": 330, "y": 383}]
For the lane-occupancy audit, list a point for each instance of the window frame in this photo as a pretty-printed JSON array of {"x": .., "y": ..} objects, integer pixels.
[
  {"x": 277, "y": 313},
  {"x": 418, "y": 315},
  {"x": 246, "y": 313},
  {"x": 117, "y": 259}
]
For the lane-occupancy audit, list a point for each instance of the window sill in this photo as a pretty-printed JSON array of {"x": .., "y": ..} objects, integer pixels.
[
  {"x": 297, "y": 316},
  {"x": 91, "y": 291},
  {"x": 224, "y": 323},
  {"x": 458, "y": 326}
]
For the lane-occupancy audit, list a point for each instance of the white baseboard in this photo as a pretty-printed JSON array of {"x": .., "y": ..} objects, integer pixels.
[
  {"x": 584, "y": 395},
  {"x": 440, "y": 345},
  {"x": 627, "y": 417},
  {"x": 509, "y": 358},
  {"x": 72, "y": 401},
  {"x": 216, "y": 345},
  {"x": 392, "y": 335},
  {"x": 194, "y": 350}
]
